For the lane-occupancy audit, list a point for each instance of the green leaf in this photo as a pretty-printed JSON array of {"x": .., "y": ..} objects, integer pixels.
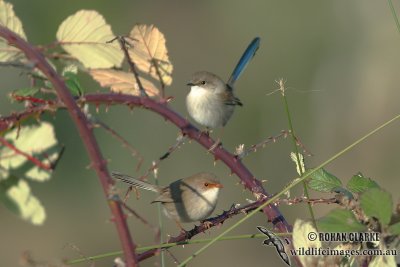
[
  {"x": 343, "y": 191},
  {"x": 19, "y": 199},
  {"x": 358, "y": 183},
  {"x": 377, "y": 203},
  {"x": 84, "y": 35},
  {"x": 30, "y": 91},
  {"x": 12, "y": 22},
  {"x": 73, "y": 83},
  {"x": 72, "y": 67},
  {"x": 395, "y": 228},
  {"x": 340, "y": 220},
  {"x": 33, "y": 140},
  {"x": 323, "y": 181}
]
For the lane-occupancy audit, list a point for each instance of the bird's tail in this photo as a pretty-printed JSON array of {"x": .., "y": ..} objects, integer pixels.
[
  {"x": 135, "y": 182},
  {"x": 244, "y": 61}
]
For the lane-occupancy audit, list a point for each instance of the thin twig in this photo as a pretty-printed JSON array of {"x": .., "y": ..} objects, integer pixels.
[
  {"x": 31, "y": 99},
  {"x": 135, "y": 153},
  {"x": 123, "y": 44},
  {"x": 17, "y": 64},
  {"x": 311, "y": 201},
  {"x": 176, "y": 261},
  {"x": 282, "y": 88},
  {"x": 154, "y": 166},
  {"x": 138, "y": 216},
  {"x": 37, "y": 162},
  {"x": 241, "y": 152},
  {"x": 162, "y": 84}
]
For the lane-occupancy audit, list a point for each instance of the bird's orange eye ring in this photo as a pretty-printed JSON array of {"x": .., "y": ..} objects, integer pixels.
[
  {"x": 203, "y": 82},
  {"x": 206, "y": 184}
]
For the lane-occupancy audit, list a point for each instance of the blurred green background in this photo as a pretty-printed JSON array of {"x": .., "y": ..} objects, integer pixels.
[{"x": 340, "y": 60}]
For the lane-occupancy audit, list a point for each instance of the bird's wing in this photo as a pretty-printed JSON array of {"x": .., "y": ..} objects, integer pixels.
[
  {"x": 229, "y": 99},
  {"x": 164, "y": 197}
]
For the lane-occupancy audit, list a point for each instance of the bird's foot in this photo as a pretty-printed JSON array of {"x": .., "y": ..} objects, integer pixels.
[
  {"x": 207, "y": 224},
  {"x": 206, "y": 132}
]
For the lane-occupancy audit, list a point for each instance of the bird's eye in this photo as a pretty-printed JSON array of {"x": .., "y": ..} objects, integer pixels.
[
  {"x": 203, "y": 82},
  {"x": 206, "y": 184}
]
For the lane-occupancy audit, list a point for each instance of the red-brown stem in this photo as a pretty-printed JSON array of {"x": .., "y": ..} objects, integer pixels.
[
  {"x": 98, "y": 163},
  {"x": 15, "y": 118},
  {"x": 231, "y": 161},
  {"x": 32, "y": 159},
  {"x": 235, "y": 164}
]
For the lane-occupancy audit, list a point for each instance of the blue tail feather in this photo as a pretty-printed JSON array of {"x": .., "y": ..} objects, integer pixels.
[{"x": 244, "y": 61}]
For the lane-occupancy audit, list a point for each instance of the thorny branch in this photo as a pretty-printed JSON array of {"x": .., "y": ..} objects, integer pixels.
[
  {"x": 233, "y": 163},
  {"x": 98, "y": 162},
  {"x": 205, "y": 225},
  {"x": 16, "y": 117}
]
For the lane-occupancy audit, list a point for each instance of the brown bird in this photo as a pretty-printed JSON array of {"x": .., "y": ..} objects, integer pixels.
[{"x": 190, "y": 199}]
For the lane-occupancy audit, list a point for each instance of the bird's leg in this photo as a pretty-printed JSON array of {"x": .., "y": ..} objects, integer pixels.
[
  {"x": 182, "y": 230},
  {"x": 206, "y": 131},
  {"x": 217, "y": 142}
]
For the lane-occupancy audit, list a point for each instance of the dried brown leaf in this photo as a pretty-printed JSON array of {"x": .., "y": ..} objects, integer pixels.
[
  {"x": 122, "y": 82},
  {"x": 148, "y": 46}
]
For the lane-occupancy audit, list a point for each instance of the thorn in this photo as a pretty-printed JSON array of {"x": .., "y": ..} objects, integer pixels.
[
  {"x": 107, "y": 108},
  {"x": 97, "y": 107}
]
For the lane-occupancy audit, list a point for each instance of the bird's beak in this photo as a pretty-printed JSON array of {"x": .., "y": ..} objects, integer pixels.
[
  {"x": 216, "y": 185},
  {"x": 190, "y": 84}
]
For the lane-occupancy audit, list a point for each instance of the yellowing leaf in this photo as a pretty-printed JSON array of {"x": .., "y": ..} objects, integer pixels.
[
  {"x": 148, "y": 47},
  {"x": 84, "y": 35},
  {"x": 388, "y": 260},
  {"x": 12, "y": 22},
  {"x": 122, "y": 82},
  {"x": 32, "y": 140},
  {"x": 300, "y": 169},
  {"x": 305, "y": 236},
  {"x": 28, "y": 205}
]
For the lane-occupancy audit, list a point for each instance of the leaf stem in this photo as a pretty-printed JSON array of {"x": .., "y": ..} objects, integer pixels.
[
  {"x": 169, "y": 245},
  {"x": 396, "y": 19},
  {"x": 296, "y": 150}
]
